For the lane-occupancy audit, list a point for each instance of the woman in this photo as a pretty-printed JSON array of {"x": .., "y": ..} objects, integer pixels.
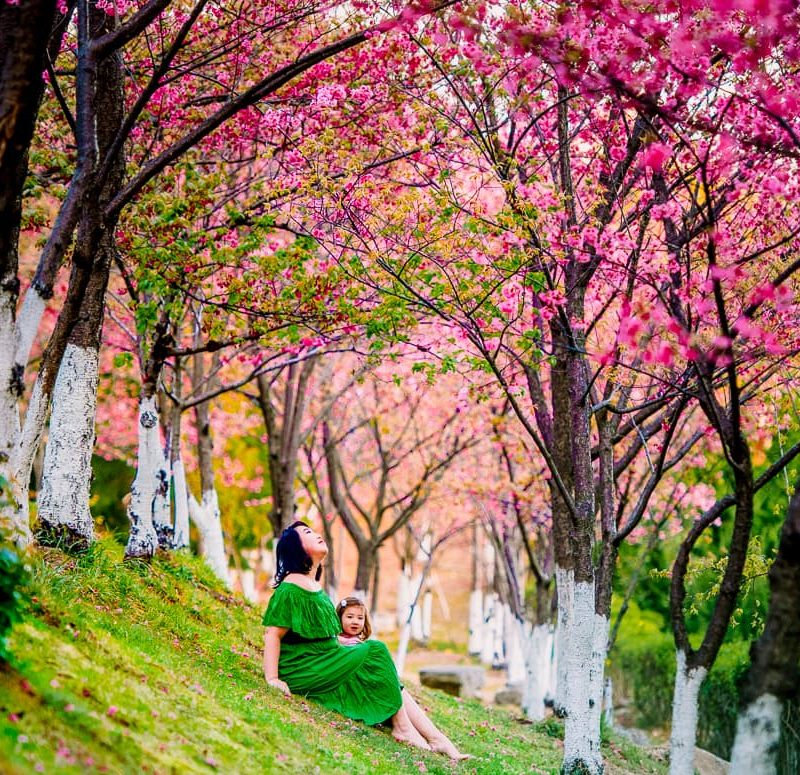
[{"x": 302, "y": 653}]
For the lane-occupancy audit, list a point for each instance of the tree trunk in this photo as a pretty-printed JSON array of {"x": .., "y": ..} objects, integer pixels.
[
  {"x": 518, "y": 641},
  {"x": 66, "y": 479},
  {"x": 25, "y": 29},
  {"x": 426, "y": 616},
  {"x": 774, "y": 676},
  {"x": 539, "y": 671},
  {"x": 366, "y": 561},
  {"x": 608, "y": 704},
  {"x": 475, "y": 598},
  {"x": 582, "y": 723},
  {"x": 375, "y": 589},
  {"x": 693, "y": 665},
  {"x": 403, "y": 593},
  {"x": 206, "y": 517},
  {"x": 758, "y": 737},
  {"x": 490, "y": 603},
  {"x": 205, "y": 514},
  {"x": 475, "y": 622},
  {"x": 162, "y": 513},
  {"x": 602, "y": 625},
  {"x": 565, "y": 592},
  {"x": 405, "y": 632},
  {"x": 63, "y": 499},
  {"x": 12, "y": 522},
  {"x": 181, "y": 493},
  {"x": 331, "y": 576},
  {"x": 684, "y": 716},
  {"x": 143, "y": 539},
  {"x": 24, "y": 34},
  {"x": 284, "y": 438}
]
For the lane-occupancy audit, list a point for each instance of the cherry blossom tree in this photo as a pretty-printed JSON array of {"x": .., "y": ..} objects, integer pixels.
[
  {"x": 380, "y": 450},
  {"x": 564, "y": 237},
  {"x": 178, "y": 76}
]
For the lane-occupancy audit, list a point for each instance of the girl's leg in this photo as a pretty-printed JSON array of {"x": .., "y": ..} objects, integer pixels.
[
  {"x": 439, "y": 742},
  {"x": 405, "y": 732}
]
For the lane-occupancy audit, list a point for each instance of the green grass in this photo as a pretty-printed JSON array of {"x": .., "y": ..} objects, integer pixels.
[{"x": 130, "y": 668}]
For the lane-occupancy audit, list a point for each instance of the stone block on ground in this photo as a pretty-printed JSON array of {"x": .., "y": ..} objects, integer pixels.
[
  {"x": 457, "y": 680},
  {"x": 510, "y": 694},
  {"x": 636, "y": 736}
]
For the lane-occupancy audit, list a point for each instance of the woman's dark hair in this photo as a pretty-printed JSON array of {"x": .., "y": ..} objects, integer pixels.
[{"x": 292, "y": 558}]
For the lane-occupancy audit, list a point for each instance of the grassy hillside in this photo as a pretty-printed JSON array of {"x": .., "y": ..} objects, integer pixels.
[{"x": 128, "y": 668}]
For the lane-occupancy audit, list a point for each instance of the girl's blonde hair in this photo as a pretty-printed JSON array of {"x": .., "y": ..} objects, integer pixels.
[{"x": 352, "y": 602}]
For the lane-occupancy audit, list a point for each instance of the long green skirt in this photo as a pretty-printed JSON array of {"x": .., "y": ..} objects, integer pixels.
[{"x": 359, "y": 682}]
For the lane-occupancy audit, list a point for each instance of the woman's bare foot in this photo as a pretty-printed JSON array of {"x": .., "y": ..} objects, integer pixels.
[
  {"x": 404, "y": 731},
  {"x": 444, "y": 745},
  {"x": 412, "y": 737}
]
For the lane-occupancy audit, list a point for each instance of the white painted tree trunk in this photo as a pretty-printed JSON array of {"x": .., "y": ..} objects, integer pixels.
[
  {"x": 403, "y": 595},
  {"x": 406, "y": 631},
  {"x": 565, "y": 590},
  {"x": 206, "y": 517},
  {"x": 30, "y": 315},
  {"x": 515, "y": 652},
  {"x": 180, "y": 538},
  {"x": 13, "y": 522},
  {"x": 510, "y": 635},
  {"x": 402, "y": 649},
  {"x": 597, "y": 668},
  {"x": 417, "y": 632},
  {"x": 475, "y": 622},
  {"x": 487, "y": 641},
  {"x": 552, "y": 675},
  {"x": 582, "y": 723},
  {"x": 162, "y": 513},
  {"x": 28, "y": 445},
  {"x": 538, "y": 654},
  {"x": 427, "y": 616},
  {"x": 498, "y": 633},
  {"x": 143, "y": 540},
  {"x": 32, "y": 432},
  {"x": 248, "y": 580},
  {"x": 758, "y": 736},
  {"x": 18, "y": 445},
  {"x": 9, "y": 412},
  {"x": 684, "y": 717},
  {"x": 66, "y": 477},
  {"x": 608, "y": 703}
]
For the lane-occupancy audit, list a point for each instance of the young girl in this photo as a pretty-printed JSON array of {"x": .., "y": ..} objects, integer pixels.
[{"x": 355, "y": 621}]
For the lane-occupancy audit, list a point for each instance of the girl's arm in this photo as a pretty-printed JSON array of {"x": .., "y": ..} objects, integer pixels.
[{"x": 272, "y": 650}]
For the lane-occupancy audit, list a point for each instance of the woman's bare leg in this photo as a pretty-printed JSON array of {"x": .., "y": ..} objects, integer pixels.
[
  {"x": 439, "y": 742},
  {"x": 405, "y": 732}
]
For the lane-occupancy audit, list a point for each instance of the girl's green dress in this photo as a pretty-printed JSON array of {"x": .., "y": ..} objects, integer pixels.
[{"x": 359, "y": 682}]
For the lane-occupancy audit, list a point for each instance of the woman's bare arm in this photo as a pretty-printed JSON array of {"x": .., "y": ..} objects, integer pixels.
[{"x": 272, "y": 650}]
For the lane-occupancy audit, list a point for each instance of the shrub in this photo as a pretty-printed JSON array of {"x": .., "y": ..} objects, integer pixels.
[
  {"x": 719, "y": 699},
  {"x": 644, "y": 662},
  {"x": 13, "y": 576},
  {"x": 643, "y": 665}
]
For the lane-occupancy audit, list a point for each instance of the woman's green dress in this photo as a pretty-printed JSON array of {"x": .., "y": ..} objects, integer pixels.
[{"x": 359, "y": 682}]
